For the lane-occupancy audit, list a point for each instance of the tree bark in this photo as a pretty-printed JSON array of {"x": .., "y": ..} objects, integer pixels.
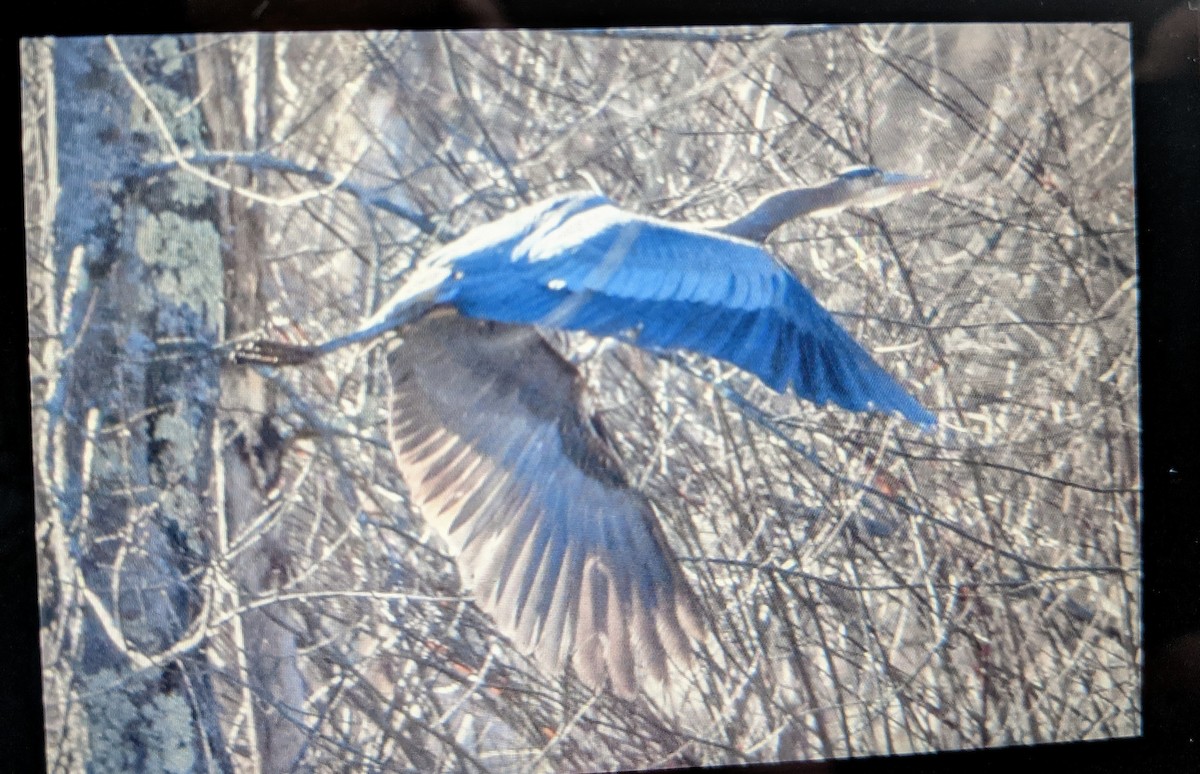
[
  {"x": 125, "y": 452},
  {"x": 266, "y": 637}
]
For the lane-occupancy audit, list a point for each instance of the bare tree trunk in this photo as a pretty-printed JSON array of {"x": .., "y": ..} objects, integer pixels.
[
  {"x": 266, "y": 638},
  {"x": 125, "y": 441}
]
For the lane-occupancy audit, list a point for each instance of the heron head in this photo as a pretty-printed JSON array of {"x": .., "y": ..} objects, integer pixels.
[{"x": 867, "y": 186}]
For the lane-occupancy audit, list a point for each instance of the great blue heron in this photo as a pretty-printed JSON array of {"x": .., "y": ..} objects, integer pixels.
[{"x": 488, "y": 424}]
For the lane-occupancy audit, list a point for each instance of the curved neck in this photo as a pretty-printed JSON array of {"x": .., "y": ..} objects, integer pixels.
[{"x": 773, "y": 210}]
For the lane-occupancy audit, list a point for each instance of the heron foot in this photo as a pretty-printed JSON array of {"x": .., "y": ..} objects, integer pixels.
[{"x": 273, "y": 353}]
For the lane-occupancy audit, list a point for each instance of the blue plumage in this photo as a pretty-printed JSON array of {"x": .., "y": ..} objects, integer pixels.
[
  {"x": 577, "y": 262},
  {"x": 855, "y": 173}
]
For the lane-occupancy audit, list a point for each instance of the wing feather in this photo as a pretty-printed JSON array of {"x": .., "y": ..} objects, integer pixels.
[
  {"x": 603, "y": 270},
  {"x": 553, "y": 639},
  {"x": 553, "y": 544}
]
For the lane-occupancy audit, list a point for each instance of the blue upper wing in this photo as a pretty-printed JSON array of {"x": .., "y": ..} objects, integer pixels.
[{"x": 580, "y": 263}]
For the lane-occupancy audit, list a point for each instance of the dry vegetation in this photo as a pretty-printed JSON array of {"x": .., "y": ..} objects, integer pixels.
[{"x": 872, "y": 588}]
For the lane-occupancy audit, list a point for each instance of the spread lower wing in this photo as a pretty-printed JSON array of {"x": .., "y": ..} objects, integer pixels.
[
  {"x": 500, "y": 458},
  {"x": 600, "y": 269}
]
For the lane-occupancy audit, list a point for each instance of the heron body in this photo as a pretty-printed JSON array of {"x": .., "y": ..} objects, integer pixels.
[{"x": 489, "y": 424}]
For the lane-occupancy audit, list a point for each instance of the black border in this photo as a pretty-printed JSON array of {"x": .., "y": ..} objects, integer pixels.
[{"x": 1167, "y": 140}]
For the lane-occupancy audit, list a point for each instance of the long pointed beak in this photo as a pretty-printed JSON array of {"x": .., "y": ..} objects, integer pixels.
[
  {"x": 909, "y": 184},
  {"x": 893, "y": 186}
]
